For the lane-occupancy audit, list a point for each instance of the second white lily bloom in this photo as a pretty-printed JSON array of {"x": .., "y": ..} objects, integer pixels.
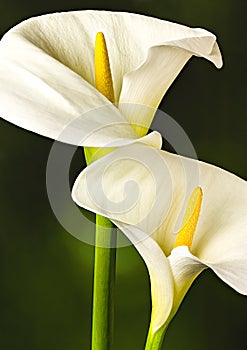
[{"x": 143, "y": 190}]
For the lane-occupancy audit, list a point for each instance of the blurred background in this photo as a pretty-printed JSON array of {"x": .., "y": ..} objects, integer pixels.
[{"x": 46, "y": 274}]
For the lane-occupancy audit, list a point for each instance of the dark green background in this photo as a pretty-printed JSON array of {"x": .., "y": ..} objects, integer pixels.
[{"x": 46, "y": 274}]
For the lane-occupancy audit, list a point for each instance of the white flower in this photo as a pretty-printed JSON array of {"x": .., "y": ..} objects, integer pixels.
[
  {"x": 47, "y": 72},
  {"x": 213, "y": 233},
  {"x": 47, "y": 83}
]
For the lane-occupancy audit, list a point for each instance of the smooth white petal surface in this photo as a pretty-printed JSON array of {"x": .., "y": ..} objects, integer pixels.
[
  {"x": 147, "y": 84},
  {"x": 138, "y": 186},
  {"x": 42, "y": 95},
  {"x": 221, "y": 236},
  {"x": 162, "y": 284},
  {"x": 222, "y": 225},
  {"x": 69, "y": 38},
  {"x": 220, "y": 240},
  {"x": 233, "y": 270},
  {"x": 149, "y": 192},
  {"x": 185, "y": 268},
  {"x": 47, "y": 73},
  {"x": 50, "y": 99},
  {"x": 126, "y": 185}
]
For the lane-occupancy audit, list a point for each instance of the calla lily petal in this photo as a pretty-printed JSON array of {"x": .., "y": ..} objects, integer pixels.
[
  {"x": 60, "y": 105},
  {"x": 220, "y": 236},
  {"x": 42, "y": 95},
  {"x": 149, "y": 190},
  {"x": 134, "y": 183},
  {"x": 162, "y": 284},
  {"x": 165, "y": 178},
  {"x": 47, "y": 67},
  {"x": 233, "y": 272},
  {"x": 221, "y": 230},
  {"x": 222, "y": 227},
  {"x": 185, "y": 268},
  {"x": 148, "y": 83},
  {"x": 169, "y": 284}
]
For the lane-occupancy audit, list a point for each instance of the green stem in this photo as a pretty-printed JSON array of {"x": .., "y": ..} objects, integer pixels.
[
  {"x": 104, "y": 282},
  {"x": 155, "y": 340}
]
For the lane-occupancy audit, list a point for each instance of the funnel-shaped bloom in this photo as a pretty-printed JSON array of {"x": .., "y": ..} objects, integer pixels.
[
  {"x": 47, "y": 77},
  {"x": 147, "y": 192},
  {"x": 47, "y": 83}
]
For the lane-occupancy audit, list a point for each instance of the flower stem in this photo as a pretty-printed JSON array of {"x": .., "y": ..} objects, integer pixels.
[
  {"x": 155, "y": 339},
  {"x": 104, "y": 282}
]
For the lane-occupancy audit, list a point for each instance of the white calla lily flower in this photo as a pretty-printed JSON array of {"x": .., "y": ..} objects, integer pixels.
[
  {"x": 47, "y": 83},
  {"x": 213, "y": 233},
  {"x": 47, "y": 71}
]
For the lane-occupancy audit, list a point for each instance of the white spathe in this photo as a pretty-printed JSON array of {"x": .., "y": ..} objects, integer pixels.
[
  {"x": 47, "y": 71},
  {"x": 148, "y": 209},
  {"x": 47, "y": 86}
]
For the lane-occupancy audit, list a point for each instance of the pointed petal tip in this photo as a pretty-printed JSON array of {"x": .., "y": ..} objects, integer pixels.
[
  {"x": 233, "y": 273},
  {"x": 215, "y": 55}
]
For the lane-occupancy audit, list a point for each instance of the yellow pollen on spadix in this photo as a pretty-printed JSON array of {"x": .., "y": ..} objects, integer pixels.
[
  {"x": 190, "y": 220},
  {"x": 103, "y": 77}
]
